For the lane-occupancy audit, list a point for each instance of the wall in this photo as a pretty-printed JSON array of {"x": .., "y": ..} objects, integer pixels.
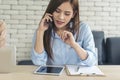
[
  {"x": 102, "y": 15},
  {"x": 22, "y": 18}
]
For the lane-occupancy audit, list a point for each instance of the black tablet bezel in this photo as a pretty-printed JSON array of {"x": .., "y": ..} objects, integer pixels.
[{"x": 52, "y": 66}]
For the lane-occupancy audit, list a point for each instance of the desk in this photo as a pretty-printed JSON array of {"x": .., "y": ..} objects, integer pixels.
[{"x": 26, "y": 73}]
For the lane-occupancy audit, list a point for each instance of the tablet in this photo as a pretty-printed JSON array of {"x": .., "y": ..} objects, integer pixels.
[{"x": 49, "y": 70}]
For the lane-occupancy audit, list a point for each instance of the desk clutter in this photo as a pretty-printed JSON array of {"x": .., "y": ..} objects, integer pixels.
[{"x": 71, "y": 70}]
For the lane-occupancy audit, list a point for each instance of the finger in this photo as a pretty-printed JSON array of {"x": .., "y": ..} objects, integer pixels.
[
  {"x": 66, "y": 33},
  {"x": 48, "y": 14},
  {"x": 63, "y": 36},
  {"x": 2, "y": 26},
  {"x": 4, "y": 34},
  {"x": 2, "y": 43},
  {"x": 49, "y": 19},
  {"x": 69, "y": 34}
]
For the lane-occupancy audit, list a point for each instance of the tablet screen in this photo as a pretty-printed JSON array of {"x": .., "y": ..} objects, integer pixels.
[{"x": 56, "y": 70}]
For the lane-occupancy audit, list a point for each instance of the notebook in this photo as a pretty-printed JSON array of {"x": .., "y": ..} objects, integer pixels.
[
  {"x": 84, "y": 70},
  {"x": 7, "y": 59}
]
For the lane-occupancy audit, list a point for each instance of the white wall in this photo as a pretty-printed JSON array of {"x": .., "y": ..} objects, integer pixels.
[
  {"x": 22, "y": 18},
  {"x": 102, "y": 15}
]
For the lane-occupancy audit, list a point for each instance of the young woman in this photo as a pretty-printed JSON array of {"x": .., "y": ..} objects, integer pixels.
[{"x": 61, "y": 38}]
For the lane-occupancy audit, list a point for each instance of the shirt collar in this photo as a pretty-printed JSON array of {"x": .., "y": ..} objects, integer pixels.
[{"x": 55, "y": 35}]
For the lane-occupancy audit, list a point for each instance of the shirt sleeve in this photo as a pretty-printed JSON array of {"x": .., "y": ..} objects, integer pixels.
[
  {"x": 38, "y": 58},
  {"x": 88, "y": 45}
]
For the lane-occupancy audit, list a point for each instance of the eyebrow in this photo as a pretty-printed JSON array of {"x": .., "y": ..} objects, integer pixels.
[{"x": 65, "y": 11}]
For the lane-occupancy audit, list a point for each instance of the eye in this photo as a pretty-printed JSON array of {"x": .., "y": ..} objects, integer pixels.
[
  {"x": 67, "y": 14},
  {"x": 57, "y": 10}
]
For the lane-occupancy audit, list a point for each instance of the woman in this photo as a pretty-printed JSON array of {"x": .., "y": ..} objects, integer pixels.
[{"x": 61, "y": 38}]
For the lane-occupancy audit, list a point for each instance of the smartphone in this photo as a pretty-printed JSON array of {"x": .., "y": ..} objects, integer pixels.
[{"x": 49, "y": 23}]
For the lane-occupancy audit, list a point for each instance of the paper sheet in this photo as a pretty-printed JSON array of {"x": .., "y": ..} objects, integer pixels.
[{"x": 84, "y": 70}]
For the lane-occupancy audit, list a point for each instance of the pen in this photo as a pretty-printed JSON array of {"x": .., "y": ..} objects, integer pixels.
[{"x": 78, "y": 67}]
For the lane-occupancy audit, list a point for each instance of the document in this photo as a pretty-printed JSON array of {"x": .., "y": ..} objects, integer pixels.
[{"x": 84, "y": 70}]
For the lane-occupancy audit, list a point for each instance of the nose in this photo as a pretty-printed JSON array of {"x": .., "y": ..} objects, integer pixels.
[{"x": 61, "y": 16}]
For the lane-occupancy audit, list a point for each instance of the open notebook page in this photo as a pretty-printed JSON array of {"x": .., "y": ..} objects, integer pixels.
[{"x": 84, "y": 70}]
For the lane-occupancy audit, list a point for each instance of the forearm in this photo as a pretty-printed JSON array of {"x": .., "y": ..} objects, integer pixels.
[
  {"x": 80, "y": 51},
  {"x": 39, "y": 46},
  {"x": 38, "y": 59}
]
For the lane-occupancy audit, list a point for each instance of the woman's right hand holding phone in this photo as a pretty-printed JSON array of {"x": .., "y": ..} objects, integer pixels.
[{"x": 44, "y": 24}]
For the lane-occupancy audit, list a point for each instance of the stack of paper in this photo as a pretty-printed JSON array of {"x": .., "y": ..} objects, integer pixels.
[{"x": 84, "y": 70}]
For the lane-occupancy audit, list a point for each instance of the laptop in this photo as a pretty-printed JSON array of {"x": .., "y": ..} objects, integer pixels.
[{"x": 7, "y": 59}]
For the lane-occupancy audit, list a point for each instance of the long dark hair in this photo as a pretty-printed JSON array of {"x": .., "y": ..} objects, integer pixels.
[{"x": 52, "y": 6}]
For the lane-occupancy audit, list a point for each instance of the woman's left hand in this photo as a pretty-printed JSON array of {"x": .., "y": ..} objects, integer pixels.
[{"x": 68, "y": 38}]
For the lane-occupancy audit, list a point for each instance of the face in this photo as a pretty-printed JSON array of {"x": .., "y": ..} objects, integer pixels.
[{"x": 62, "y": 15}]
